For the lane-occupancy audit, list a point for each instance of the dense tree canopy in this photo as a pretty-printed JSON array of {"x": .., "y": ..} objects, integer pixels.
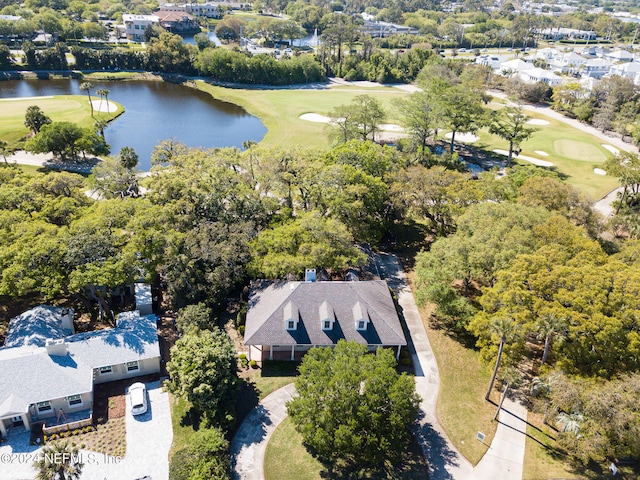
[{"x": 353, "y": 408}]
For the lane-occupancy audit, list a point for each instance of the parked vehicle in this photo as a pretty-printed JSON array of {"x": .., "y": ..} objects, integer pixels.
[{"x": 138, "y": 398}]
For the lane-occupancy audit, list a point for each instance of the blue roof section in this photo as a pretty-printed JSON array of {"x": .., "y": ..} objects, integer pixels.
[{"x": 33, "y": 327}]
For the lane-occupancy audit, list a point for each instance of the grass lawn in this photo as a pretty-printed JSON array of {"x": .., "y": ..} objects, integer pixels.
[
  {"x": 573, "y": 152},
  {"x": 60, "y": 108},
  {"x": 462, "y": 409},
  {"x": 287, "y": 458},
  {"x": 182, "y": 423},
  {"x": 296, "y": 463},
  {"x": 280, "y": 109},
  {"x": 272, "y": 376}
]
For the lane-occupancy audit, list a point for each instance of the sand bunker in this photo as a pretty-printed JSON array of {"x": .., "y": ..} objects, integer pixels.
[
  {"x": 599, "y": 171},
  {"x": 314, "y": 117},
  {"x": 104, "y": 106},
  {"x": 407, "y": 87},
  {"x": 535, "y": 161},
  {"x": 464, "y": 137},
  {"x": 541, "y": 153},
  {"x": 610, "y": 148},
  {"x": 390, "y": 127},
  {"x": 537, "y": 121}
]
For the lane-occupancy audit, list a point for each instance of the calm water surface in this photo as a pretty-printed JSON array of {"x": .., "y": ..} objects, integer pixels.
[{"x": 156, "y": 111}]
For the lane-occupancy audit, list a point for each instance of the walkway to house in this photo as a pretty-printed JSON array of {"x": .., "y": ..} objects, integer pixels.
[
  {"x": 250, "y": 443},
  {"x": 503, "y": 460}
]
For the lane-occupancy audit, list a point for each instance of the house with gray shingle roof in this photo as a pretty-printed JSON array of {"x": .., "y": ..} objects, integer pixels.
[
  {"x": 286, "y": 319},
  {"x": 47, "y": 372}
]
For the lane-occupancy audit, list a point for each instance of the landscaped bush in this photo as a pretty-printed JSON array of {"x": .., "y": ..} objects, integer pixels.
[
  {"x": 243, "y": 360},
  {"x": 253, "y": 364}
]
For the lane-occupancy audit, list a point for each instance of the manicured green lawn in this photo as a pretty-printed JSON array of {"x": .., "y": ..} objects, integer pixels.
[
  {"x": 271, "y": 377},
  {"x": 60, "y": 108},
  {"x": 280, "y": 109},
  {"x": 183, "y": 428},
  {"x": 287, "y": 458},
  {"x": 574, "y": 154}
]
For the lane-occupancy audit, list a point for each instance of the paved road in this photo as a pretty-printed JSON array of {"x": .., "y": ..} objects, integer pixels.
[
  {"x": 250, "y": 443},
  {"x": 504, "y": 459},
  {"x": 445, "y": 462}
]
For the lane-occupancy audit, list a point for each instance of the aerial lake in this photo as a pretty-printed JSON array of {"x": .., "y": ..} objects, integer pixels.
[{"x": 156, "y": 111}]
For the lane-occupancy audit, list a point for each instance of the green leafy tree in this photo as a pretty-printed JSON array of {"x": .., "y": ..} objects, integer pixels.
[
  {"x": 353, "y": 409},
  {"x": 35, "y": 119},
  {"x": 421, "y": 118},
  {"x": 59, "y": 138},
  {"x": 203, "y": 371},
  {"x": 359, "y": 119},
  {"x": 462, "y": 111},
  {"x": 196, "y": 316},
  {"x": 509, "y": 124},
  {"x": 59, "y": 461},
  {"x": 112, "y": 180},
  {"x": 309, "y": 240},
  {"x": 206, "y": 457}
]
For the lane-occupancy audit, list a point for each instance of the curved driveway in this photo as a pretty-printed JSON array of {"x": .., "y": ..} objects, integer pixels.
[
  {"x": 250, "y": 443},
  {"x": 503, "y": 460}
]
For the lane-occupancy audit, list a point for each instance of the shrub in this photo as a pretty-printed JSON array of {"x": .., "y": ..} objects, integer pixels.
[
  {"x": 241, "y": 329},
  {"x": 253, "y": 364}
]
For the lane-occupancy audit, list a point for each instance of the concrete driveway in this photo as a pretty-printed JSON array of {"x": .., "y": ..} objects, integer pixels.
[{"x": 149, "y": 438}]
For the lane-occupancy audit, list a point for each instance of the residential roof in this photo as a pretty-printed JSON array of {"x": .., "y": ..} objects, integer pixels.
[
  {"x": 270, "y": 302},
  {"x": 34, "y": 326},
  {"x": 29, "y": 374},
  {"x": 172, "y": 16}
]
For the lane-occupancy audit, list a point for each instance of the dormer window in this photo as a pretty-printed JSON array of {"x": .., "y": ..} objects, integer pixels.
[
  {"x": 360, "y": 316},
  {"x": 290, "y": 316},
  {"x": 327, "y": 316}
]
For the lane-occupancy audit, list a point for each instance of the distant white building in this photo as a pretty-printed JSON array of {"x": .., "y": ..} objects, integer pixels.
[
  {"x": 535, "y": 75},
  {"x": 493, "y": 61},
  {"x": 209, "y": 10},
  {"x": 629, "y": 70},
  {"x": 562, "y": 33},
  {"x": 597, "y": 67},
  {"x": 135, "y": 25}
]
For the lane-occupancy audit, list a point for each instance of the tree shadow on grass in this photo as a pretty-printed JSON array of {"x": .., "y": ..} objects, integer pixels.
[
  {"x": 191, "y": 418},
  {"x": 247, "y": 400}
]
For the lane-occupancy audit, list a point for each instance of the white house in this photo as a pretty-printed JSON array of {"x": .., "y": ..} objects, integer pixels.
[
  {"x": 535, "y": 75},
  {"x": 135, "y": 25},
  {"x": 48, "y": 373}
]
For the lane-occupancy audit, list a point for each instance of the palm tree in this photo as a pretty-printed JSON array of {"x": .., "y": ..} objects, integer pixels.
[
  {"x": 59, "y": 462},
  {"x": 100, "y": 93},
  {"x": 570, "y": 422},
  {"x": 505, "y": 327},
  {"x": 86, "y": 87},
  {"x": 4, "y": 150},
  {"x": 100, "y": 125},
  {"x": 106, "y": 92},
  {"x": 550, "y": 326}
]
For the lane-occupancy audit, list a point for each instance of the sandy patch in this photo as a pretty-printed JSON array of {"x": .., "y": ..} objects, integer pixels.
[
  {"x": 464, "y": 137},
  {"x": 406, "y": 87},
  {"x": 11, "y": 99},
  {"x": 541, "y": 153},
  {"x": 599, "y": 171},
  {"x": 611, "y": 148},
  {"x": 537, "y": 121},
  {"x": 390, "y": 127},
  {"x": 535, "y": 161},
  {"x": 104, "y": 106},
  {"x": 314, "y": 117}
]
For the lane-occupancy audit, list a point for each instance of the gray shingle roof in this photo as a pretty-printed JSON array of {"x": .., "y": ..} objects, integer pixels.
[
  {"x": 34, "y": 326},
  {"x": 271, "y": 302},
  {"x": 28, "y": 374}
]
